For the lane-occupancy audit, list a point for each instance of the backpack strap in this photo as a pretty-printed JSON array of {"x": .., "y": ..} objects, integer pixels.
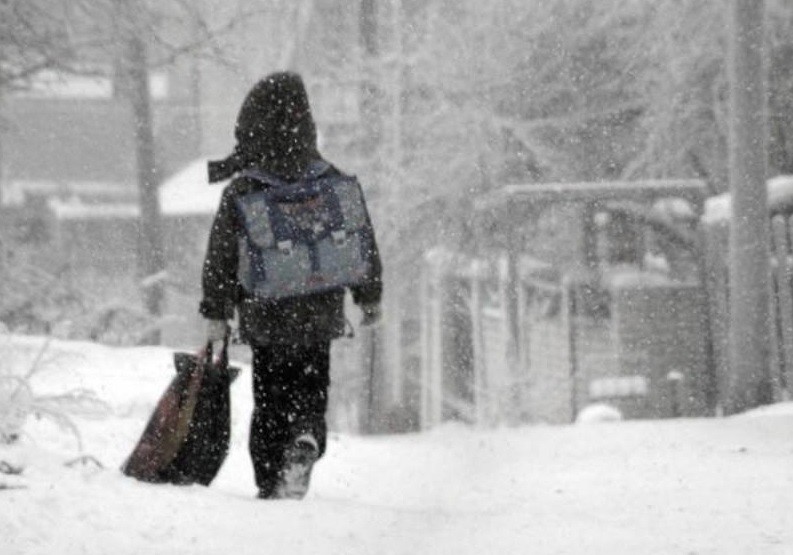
[
  {"x": 316, "y": 169},
  {"x": 262, "y": 176}
]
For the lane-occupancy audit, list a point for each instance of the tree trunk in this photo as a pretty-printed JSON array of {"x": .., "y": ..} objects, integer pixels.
[
  {"x": 748, "y": 384},
  {"x": 370, "y": 119},
  {"x": 370, "y": 145},
  {"x": 150, "y": 243}
]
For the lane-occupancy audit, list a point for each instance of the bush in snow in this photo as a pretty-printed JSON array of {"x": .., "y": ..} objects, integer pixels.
[
  {"x": 19, "y": 401},
  {"x": 39, "y": 301},
  {"x": 600, "y": 412}
]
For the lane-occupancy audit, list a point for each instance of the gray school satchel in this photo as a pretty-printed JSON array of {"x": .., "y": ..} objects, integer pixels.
[{"x": 304, "y": 237}]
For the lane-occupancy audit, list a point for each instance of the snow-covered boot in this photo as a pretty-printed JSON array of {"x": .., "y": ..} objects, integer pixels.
[{"x": 296, "y": 473}]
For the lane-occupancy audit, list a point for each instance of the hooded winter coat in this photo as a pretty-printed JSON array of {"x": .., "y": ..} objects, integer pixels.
[{"x": 275, "y": 132}]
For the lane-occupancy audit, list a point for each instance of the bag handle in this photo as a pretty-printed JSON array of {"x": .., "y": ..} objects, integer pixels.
[{"x": 205, "y": 355}]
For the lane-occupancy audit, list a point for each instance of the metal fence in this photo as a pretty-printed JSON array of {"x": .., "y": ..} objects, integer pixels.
[{"x": 638, "y": 344}]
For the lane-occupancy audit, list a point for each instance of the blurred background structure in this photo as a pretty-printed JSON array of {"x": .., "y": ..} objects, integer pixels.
[{"x": 450, "y": 112}]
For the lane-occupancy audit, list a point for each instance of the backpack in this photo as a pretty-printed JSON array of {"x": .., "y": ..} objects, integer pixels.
[{"x": 303, "y": 237}]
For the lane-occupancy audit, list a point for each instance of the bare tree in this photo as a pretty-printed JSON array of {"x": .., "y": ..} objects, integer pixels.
[
  {"x": 125, "y": 40},
  {"x": 33, "y": 38}
]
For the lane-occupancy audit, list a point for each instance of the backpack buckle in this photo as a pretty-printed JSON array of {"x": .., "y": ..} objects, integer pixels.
[
  {"x": 339, "y": 237},
  {"x": 285, "y": 247}
]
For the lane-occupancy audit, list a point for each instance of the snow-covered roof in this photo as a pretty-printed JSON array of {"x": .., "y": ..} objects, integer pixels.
[
  {"x": 630, "y": 277},
  {"x": 17, "y": 191},
  {"x": 75, "y": 209},
  {"x": 693, "y": 190},
  {"x": 188, "y": 191}
]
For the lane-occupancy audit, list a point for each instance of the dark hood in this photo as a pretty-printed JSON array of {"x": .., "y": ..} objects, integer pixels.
[{"x": 275, "y": 130}]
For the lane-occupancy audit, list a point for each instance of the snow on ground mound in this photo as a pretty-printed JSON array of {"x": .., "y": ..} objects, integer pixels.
[
  {"x": 777, "y": 409},
  {"x": 599, "y": 412},
  {"x": 650, "y": 487}
]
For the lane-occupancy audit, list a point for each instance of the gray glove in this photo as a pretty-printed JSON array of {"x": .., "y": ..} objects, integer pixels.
[
  {"x": 216, "y": 330},
  {"x": 371, "y": 314}
]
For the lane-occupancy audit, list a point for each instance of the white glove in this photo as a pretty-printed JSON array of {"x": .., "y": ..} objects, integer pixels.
[
  {"x": 216, "y": 330},
  {"x": 371, "y": 314}
]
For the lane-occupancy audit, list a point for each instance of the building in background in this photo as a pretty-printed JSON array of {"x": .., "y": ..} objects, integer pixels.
[{"x": 72, "y": 135}]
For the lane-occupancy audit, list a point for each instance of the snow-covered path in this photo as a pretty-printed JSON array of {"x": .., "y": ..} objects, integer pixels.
[{"x": 652, "y": 487}]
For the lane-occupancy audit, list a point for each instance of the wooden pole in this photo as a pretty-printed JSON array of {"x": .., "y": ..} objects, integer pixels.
[{"x": 748, "y": 384}]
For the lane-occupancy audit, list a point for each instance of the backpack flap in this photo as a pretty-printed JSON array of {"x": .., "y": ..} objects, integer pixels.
[{"x": 304, "y": 237}]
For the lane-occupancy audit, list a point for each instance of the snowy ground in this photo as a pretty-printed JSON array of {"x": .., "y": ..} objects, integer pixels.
[{"x": 677, "y": 487}]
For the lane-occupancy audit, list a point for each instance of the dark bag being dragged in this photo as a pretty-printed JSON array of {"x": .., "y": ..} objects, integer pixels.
[
  {"x": 303, "y": 237},
  {"x": 187, "y": 437}
]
